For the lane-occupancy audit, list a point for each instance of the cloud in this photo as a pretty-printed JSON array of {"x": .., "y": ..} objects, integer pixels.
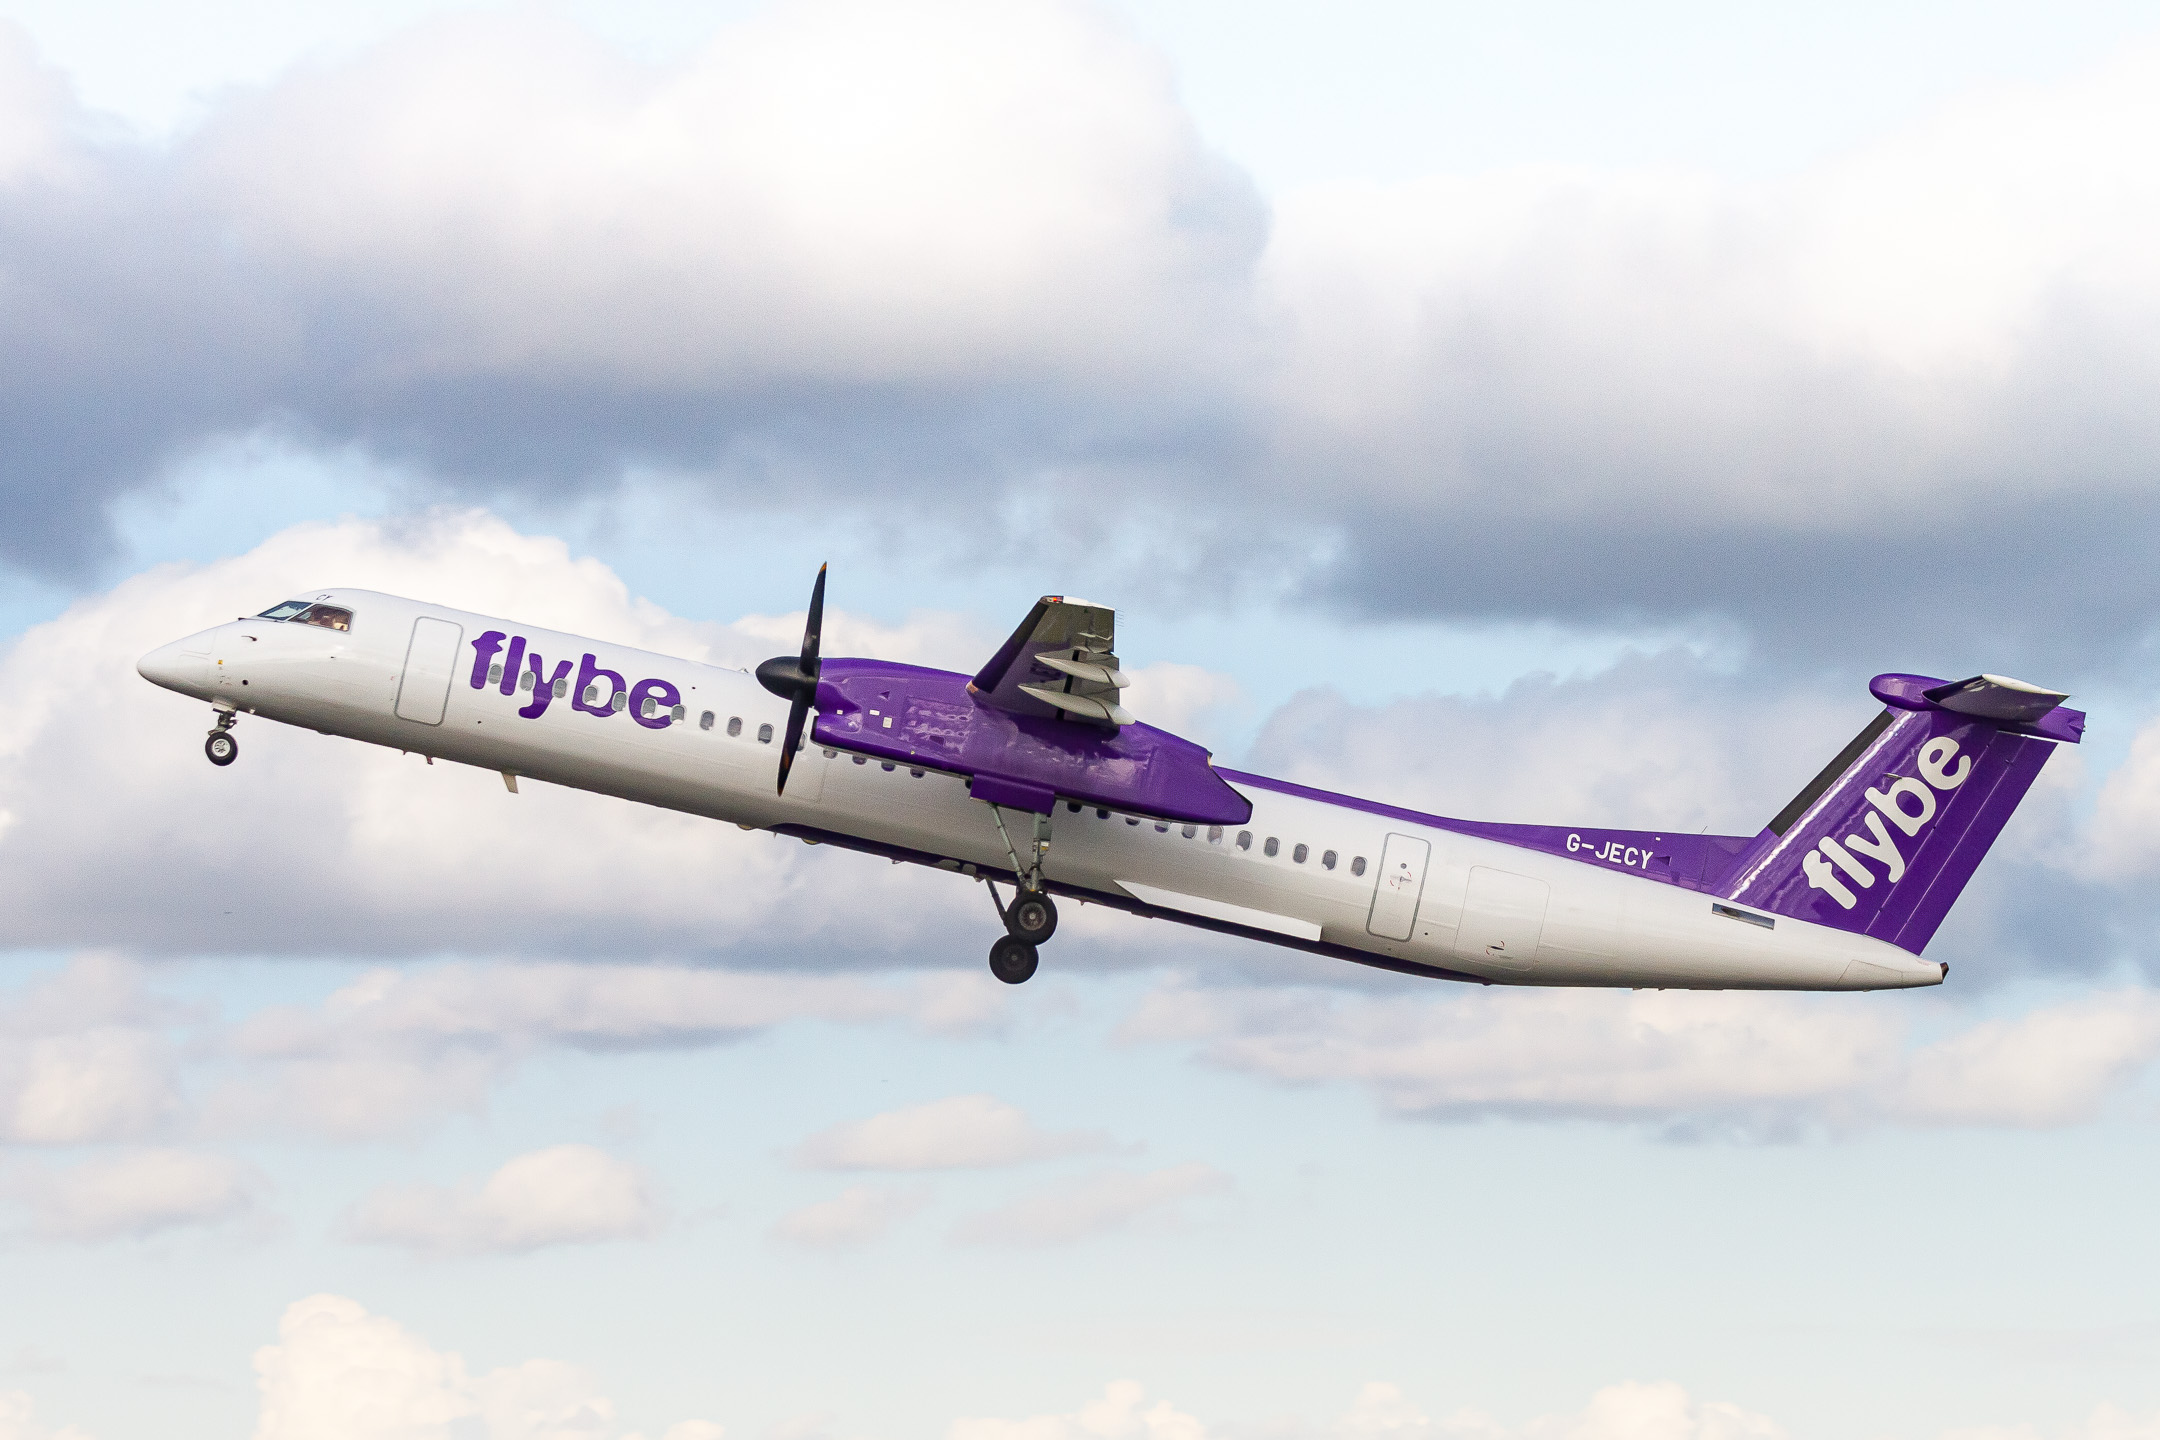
[
  {"x": 562, "y": 1195},
  {"x": 18, "y": 1421},
  {"x": 962, "y": 1132},
  {"x": 340, "y": 1373},
  {"x": 1627, "y": 1411},
  {"x": 376, "y": 853},
  {"x": 1096, "y": 1204},
  {"x": 856, "y": 1216},
  {"x": 135, "y": 1193},
  {"x": 980, "y": 249},
  {"x": 1752, "y": 1064},
  {"x": 82, "y": 1059},
  {"x": 398, "y": 1047}
]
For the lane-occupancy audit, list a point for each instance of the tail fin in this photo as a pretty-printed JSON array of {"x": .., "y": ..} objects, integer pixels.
[{"x": 1885, "y": 838}]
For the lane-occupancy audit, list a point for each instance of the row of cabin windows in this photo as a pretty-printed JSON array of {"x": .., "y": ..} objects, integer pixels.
[
  {"x": 649, "y": 708},
  {"x": 1298, "y": 854}
]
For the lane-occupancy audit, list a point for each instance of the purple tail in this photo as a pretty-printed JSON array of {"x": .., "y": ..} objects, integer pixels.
[{"x": 1885, "y": 838}]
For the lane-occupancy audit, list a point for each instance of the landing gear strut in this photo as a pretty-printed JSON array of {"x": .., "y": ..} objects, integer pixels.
[
  {"x": 1032, "y": 917},
  {"x": 221, "y": 747}
]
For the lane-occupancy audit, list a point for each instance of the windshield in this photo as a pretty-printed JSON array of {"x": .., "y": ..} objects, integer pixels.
[{"x": 330, "y": 617}]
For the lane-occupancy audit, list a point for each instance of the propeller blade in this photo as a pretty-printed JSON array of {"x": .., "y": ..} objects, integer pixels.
[
  {"x": 814, "y": 626},
  {"x": 796, "y": 680},
  {"x": 796, "y": 715}
]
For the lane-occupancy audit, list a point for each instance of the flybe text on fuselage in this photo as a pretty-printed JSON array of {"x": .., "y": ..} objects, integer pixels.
[{"x": 652, "y": 703}]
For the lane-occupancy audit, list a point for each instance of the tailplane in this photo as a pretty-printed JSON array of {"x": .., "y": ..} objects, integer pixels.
[{"x": 1883, "y": 840}]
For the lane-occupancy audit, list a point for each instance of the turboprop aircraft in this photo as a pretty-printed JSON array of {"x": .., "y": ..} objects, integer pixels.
[{"x": 1032, "y": 774}]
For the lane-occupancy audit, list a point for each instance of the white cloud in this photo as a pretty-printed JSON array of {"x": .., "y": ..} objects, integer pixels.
[
  {"x": 340, "y": 1373},
  {"x": 397, "y": 1047},
  {"x": 2107, "y": 1422},
  {"x": 135, "y": 1193},
  {"x": 839, "y": 189},
  {"x": 1095, "y": 1204},
  {"x": 962, "y": 1132},
  {"x": 377, "y": 852},
  {"x": 1627, "y": 1411},
  {"x": 1758, "y": 1063},
  {"x": 563, "y": 1195},
  {"x": 18, "y": 1418},
  {"x": 81, "y": 1058},
  {"x": 856, "y": 1216},
  {"x": 1121, "y": 1414}
]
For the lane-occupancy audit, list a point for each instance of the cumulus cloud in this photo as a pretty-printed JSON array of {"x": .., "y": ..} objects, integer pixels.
[
  {"x": 968, "y": 246},
  {"x": 1628, "y": 1411},
  {"x": 135, "y": 1193},
  {"x": 962, "y": 1132},
  {"x": 1095, "y": 1204},
  {"x": 84, "y": 1058},
  {"x": 18, "y": 1421},
  {"x": 856, "y": 1216},
  {"x": 340, "y": 1373},
  {"x": 563, "y": 1195},
  {"x": 1752, "y": 1064},
  {"x": 396, "y": 1047}
]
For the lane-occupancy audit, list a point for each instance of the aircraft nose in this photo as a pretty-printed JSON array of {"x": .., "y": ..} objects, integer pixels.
[{"x": 179, "y": 666}]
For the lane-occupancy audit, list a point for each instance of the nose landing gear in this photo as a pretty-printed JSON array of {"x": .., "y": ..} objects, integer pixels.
[{"x": 221, "y": 747}]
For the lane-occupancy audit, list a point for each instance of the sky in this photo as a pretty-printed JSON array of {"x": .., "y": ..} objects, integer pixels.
[{"x": 1552, "y": 412}]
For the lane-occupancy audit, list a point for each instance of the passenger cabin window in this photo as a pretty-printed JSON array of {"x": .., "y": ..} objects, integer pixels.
[
  {"x": 621, "y": 700},
  {"x": 1244, "y": 839},
  {"x": 1327, "y": 861},
  {"x": 1214, "y": 834},
  {"x": 562, "y": 688},
  {"x": 734, "y": 726},
  {"x": 1189, "y": 831},
  {"x": 764, "y": 734},
  {"x": 1357, "y": 866},
  {"x": 678, "y": 712},
  {"x": 704, "y": 721},
  {"x": 1273, "y": 847},
  {"x": 495, "y": 673},
  {"x": 525, "y": 681},
  {"x": 1298, "y": 855}
]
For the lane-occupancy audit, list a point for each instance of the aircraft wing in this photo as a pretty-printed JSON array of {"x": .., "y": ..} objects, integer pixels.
[{"x": 1062, "y": 662}]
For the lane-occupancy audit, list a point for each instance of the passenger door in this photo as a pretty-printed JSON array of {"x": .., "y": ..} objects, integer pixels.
[
  {"x": 1397, "y": 887},
  {"x": 430, "y": 662}
]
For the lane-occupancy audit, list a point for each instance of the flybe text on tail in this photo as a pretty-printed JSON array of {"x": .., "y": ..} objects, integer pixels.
[{"x": 1884, "y": 839}]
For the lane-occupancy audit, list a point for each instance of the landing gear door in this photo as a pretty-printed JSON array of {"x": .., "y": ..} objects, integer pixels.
[
  {"x": 430, "y": 660},
  {"x": 1397, "y": 888}
]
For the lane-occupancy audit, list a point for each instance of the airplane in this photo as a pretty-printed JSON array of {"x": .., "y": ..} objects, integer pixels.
[{"x": 1032, "y": 774}]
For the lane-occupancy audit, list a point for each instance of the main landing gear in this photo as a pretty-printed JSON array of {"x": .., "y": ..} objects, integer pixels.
[
  {"x": 221, "y": 747},
  {"x": 1032, "y": 916}
]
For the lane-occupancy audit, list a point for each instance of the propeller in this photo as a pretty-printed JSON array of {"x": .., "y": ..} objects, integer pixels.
[{"x": 794, "y": 679}]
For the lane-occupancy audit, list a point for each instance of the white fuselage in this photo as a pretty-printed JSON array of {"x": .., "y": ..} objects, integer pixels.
[{"x": 1321, "y": 875}]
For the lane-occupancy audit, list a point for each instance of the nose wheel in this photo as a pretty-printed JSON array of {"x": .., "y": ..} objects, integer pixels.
[{"x": 221, "y": 747}]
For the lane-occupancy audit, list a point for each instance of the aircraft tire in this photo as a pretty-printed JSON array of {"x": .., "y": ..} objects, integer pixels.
[
  {"x": 1012, "y": 959},
  {"x": 221, "y": 748},
  {"x": 1032, "y": 917}
]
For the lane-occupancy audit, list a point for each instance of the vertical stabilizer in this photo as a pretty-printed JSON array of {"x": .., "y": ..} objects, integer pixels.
[{"x": 1885, "y": 838}]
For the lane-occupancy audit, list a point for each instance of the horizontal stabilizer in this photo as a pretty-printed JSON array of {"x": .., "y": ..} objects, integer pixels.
[{"x": 1997, "y": 697}]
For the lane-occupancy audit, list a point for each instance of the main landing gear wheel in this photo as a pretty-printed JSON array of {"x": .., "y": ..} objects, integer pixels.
[
  {"x": 1032, "y": 917},
  {"x": 1012, "y": 959},
  {"x": 221, "y": 748}
]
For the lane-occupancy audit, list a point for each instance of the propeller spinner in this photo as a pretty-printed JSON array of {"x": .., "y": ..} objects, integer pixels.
[{"x": 795, "y": 679}]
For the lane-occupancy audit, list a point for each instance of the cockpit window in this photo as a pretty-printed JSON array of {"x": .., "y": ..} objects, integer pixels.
[{"x": 330, "y": 617}]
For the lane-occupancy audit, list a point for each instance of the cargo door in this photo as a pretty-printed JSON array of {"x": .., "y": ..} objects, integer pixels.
[
  {"x": 1397, "y": 887},
  {"x": 1503, "y": 918},
  {"x": 430, "y": 661}
]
